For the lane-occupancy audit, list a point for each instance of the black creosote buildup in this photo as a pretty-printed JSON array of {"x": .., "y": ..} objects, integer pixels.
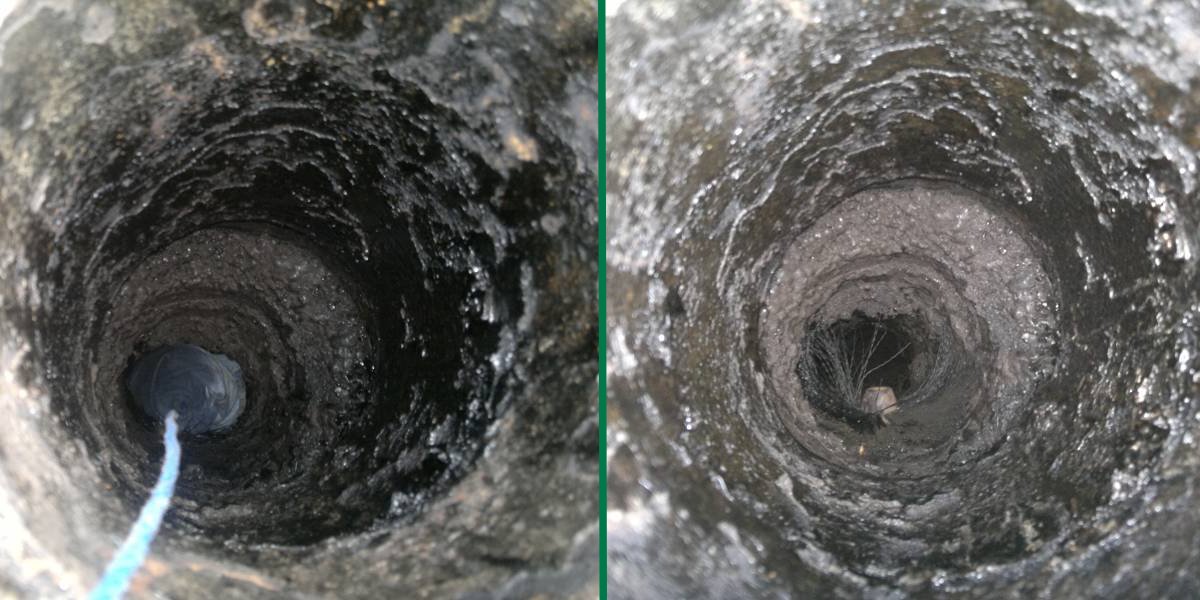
[{"x": 384, "y": 213}]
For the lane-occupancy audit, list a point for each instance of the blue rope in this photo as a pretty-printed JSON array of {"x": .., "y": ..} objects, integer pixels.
[{"x": 133, "y": 550}]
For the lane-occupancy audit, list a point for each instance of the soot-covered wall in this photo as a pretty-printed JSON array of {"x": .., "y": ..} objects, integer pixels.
[
  {"x": 1007, "y": 192},
  {"x": 384, "y": 212}
]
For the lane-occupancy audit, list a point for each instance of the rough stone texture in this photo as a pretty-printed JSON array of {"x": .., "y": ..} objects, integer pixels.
[
  {"x": 385, "y": 212},
  {"x": 752, "y": 149}
]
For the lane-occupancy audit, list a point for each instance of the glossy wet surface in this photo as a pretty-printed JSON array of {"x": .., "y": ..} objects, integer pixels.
[
  {"x": 1009, "y": 187},
  {"x": 384, "y": 214}
]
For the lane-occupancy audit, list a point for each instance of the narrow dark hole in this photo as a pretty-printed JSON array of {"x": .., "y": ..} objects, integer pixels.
[
  {"x": 884, "y": 350},
  {"x": 205, "y": 390},
  {"x": 839, "y": 361}
]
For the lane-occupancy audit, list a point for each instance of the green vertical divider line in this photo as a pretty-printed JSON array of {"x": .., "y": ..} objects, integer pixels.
[{"x": 602, "y": 338}]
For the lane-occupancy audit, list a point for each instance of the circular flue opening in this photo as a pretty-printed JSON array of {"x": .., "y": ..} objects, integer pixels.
[
  {"x": 892, "y": 383},
  {"x": 1026, "y": 202},
  {"x": 204, "y": 389},
  {"x": 848, "y": 367},
  {"x": 399, "y": 272},
  {"x": 362, "y": 296}
]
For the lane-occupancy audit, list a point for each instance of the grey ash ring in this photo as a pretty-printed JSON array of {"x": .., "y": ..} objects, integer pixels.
[{"x": 987, "y": 208}]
